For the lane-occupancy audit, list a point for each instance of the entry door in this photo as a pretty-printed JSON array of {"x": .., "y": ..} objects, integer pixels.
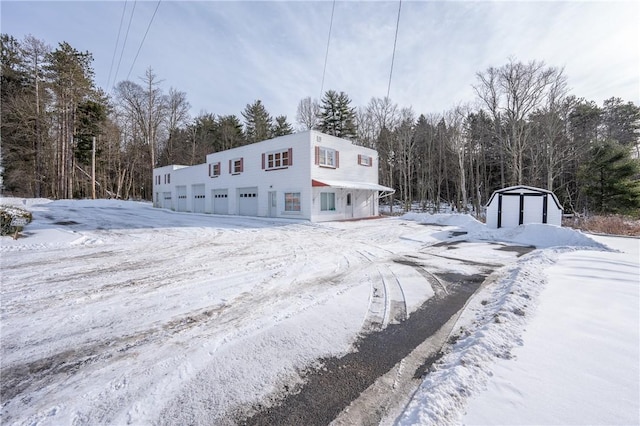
[
  {"x": 349, "y": 208},
  {"x": 273, "y": 203}
]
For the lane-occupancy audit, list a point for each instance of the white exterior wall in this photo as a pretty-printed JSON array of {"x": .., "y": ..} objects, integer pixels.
[
  {"x": 294, "y": 178},
  {"x": 164, "y": 192},
  {"x": 364, "y": 203},
  {"x": 254, "y": 180}
]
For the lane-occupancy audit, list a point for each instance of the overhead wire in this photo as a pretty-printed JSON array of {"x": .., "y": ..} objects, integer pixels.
[
  {"x": 395, "y": 41},
  {"x": 115, "y": 49},
  {"x": 143, "y": 38},
  {"x": 326, "y": 56},
  {"x": 125, "y": 41}
]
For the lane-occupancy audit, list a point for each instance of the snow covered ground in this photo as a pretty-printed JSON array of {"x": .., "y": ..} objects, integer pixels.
[{"x": 115, "y": 312}]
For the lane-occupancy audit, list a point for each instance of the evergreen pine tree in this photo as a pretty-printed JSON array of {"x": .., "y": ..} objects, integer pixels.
[
  {"x": 337, "y": 118},
  {"x": 609, "y": 179},
  {"x": 257, "y": 122},
  {"x": 282, "y": 127}
]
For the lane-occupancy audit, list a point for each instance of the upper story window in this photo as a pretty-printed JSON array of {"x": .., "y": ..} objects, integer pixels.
[
  {"x": 327, "y": 157},
  {"x": 167, "y": 178},
  {"x": 214, "y": 169},
  {"x": 236, "y": 166},
  {"x": 277, "y": 159},
  {"x": 365, "y": 160}
]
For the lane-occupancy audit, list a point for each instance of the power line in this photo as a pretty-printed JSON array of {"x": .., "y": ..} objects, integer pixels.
[
  {"x": 143, "y": 38},
  {"x": 326, "y": 56},
  {"x": 393, "y": 56},
  {"x": 125, "y": 41},
  {"x": 115, "y": 49}
]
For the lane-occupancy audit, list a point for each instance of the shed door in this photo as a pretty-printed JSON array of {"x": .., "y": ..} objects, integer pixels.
[
  {"x": 248, "y": 201},
  {"x": 220, "y": 199},
  {"x": 198, "y": 198},
  {"x": 181, "y": 193},
  {"x": 533, "y": 208}
]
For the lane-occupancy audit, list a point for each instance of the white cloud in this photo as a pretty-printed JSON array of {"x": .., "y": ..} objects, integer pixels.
[{"x": 225, "y": 55}]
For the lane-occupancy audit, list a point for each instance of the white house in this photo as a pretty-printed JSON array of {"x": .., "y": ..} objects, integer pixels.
[
  {"x": 308, "y": 175},
  {"x": 517, "y": 205}
]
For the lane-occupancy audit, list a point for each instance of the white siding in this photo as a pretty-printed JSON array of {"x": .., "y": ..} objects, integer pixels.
[{"x": 295, "y": 177}]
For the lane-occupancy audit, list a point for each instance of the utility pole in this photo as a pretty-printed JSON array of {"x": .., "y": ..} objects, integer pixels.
[{"x": 93, "y": 170}]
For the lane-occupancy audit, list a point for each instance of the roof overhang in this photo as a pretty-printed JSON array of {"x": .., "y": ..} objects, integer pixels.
[{"x": 367, "y": 186}]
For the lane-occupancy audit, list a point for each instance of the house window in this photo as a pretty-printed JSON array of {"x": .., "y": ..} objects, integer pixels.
[
  {"x": 291, "y": 201},
  {"x": 277, "y": 159},
  {"x": 167, "y": 178},
  {"x": 365, "y": 160},
  {"x": 327, "y": 201},
  {"x": 327, "y": 157},
  {"x": 236, "y": 166},
  {"x": 214, "y": 169}
]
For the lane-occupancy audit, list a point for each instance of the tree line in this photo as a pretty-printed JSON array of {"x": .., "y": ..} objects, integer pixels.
[{"x": 61, "y": 132}]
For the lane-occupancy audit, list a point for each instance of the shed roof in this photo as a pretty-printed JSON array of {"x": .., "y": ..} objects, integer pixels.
[{"x": 525, "y": 190}]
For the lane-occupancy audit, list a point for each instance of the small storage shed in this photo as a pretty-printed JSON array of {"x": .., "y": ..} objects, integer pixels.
[{"x": 518, "y": 205}]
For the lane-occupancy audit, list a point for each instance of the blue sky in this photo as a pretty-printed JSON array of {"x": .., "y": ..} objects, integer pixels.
[{"x": 226, "y": 54}]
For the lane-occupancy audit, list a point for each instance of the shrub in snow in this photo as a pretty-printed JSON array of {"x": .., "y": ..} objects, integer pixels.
[{"x": 7, "y": 214}]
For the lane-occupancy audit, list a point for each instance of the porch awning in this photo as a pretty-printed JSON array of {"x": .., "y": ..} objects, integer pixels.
[{"x": 351, "y": 185}]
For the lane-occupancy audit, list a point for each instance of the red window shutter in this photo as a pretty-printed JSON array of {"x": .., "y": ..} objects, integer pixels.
[
  {"x": 370, "y": 161},
  {"x": 337, "y": 159},
  {"x": 291, "y": 156},
  {"x": 263, "y": 155},
  {"x": 230, "y": 166},
  {"x": 359, "y": 158},
  {"x": 317, "y": 155},
  {"x": 210, "y": 167},
  {"x": 242, "y": 165},
  {"x": 219, "y": 169}
]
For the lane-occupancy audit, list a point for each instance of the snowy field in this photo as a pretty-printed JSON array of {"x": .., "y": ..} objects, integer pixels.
[{"x": 113, "y": 312}]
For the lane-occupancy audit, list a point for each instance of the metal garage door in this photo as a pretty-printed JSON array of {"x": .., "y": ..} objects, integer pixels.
[
  {"x": 166, "y": 200},
  {"x": 248, "y": 201},
  {"x": 181, "y": 193},
  {"x": 198, "y": 198},
  {"x": 220, "y": 199}
]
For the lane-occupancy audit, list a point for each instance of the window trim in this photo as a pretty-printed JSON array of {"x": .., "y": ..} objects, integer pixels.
[
  {"x": 321, "y": 158},
  {"x": 233, "y": 170},
  {"x": 293, "y": 203},
  {"x": 365, "y": 160},
  {"x": 212, "y": 170},
  {"x": 269, "y": 164},
  {"x": 328, "y": 208}
]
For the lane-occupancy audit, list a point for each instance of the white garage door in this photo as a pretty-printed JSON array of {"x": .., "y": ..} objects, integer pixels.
[
  {"x": 181, "y": 193},
  {"x": 198, "y": 198},
  {"x": 248, "y": 201},
  {"x": 166, "y": 200},
  {"x": 220, "y": 199}
]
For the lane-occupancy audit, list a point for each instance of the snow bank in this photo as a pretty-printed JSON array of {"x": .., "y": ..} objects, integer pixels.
[
  {"x": 26, "y": 203},
  {"x": 490, "y": 327},
  {"x": 537, "y": 235}
]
